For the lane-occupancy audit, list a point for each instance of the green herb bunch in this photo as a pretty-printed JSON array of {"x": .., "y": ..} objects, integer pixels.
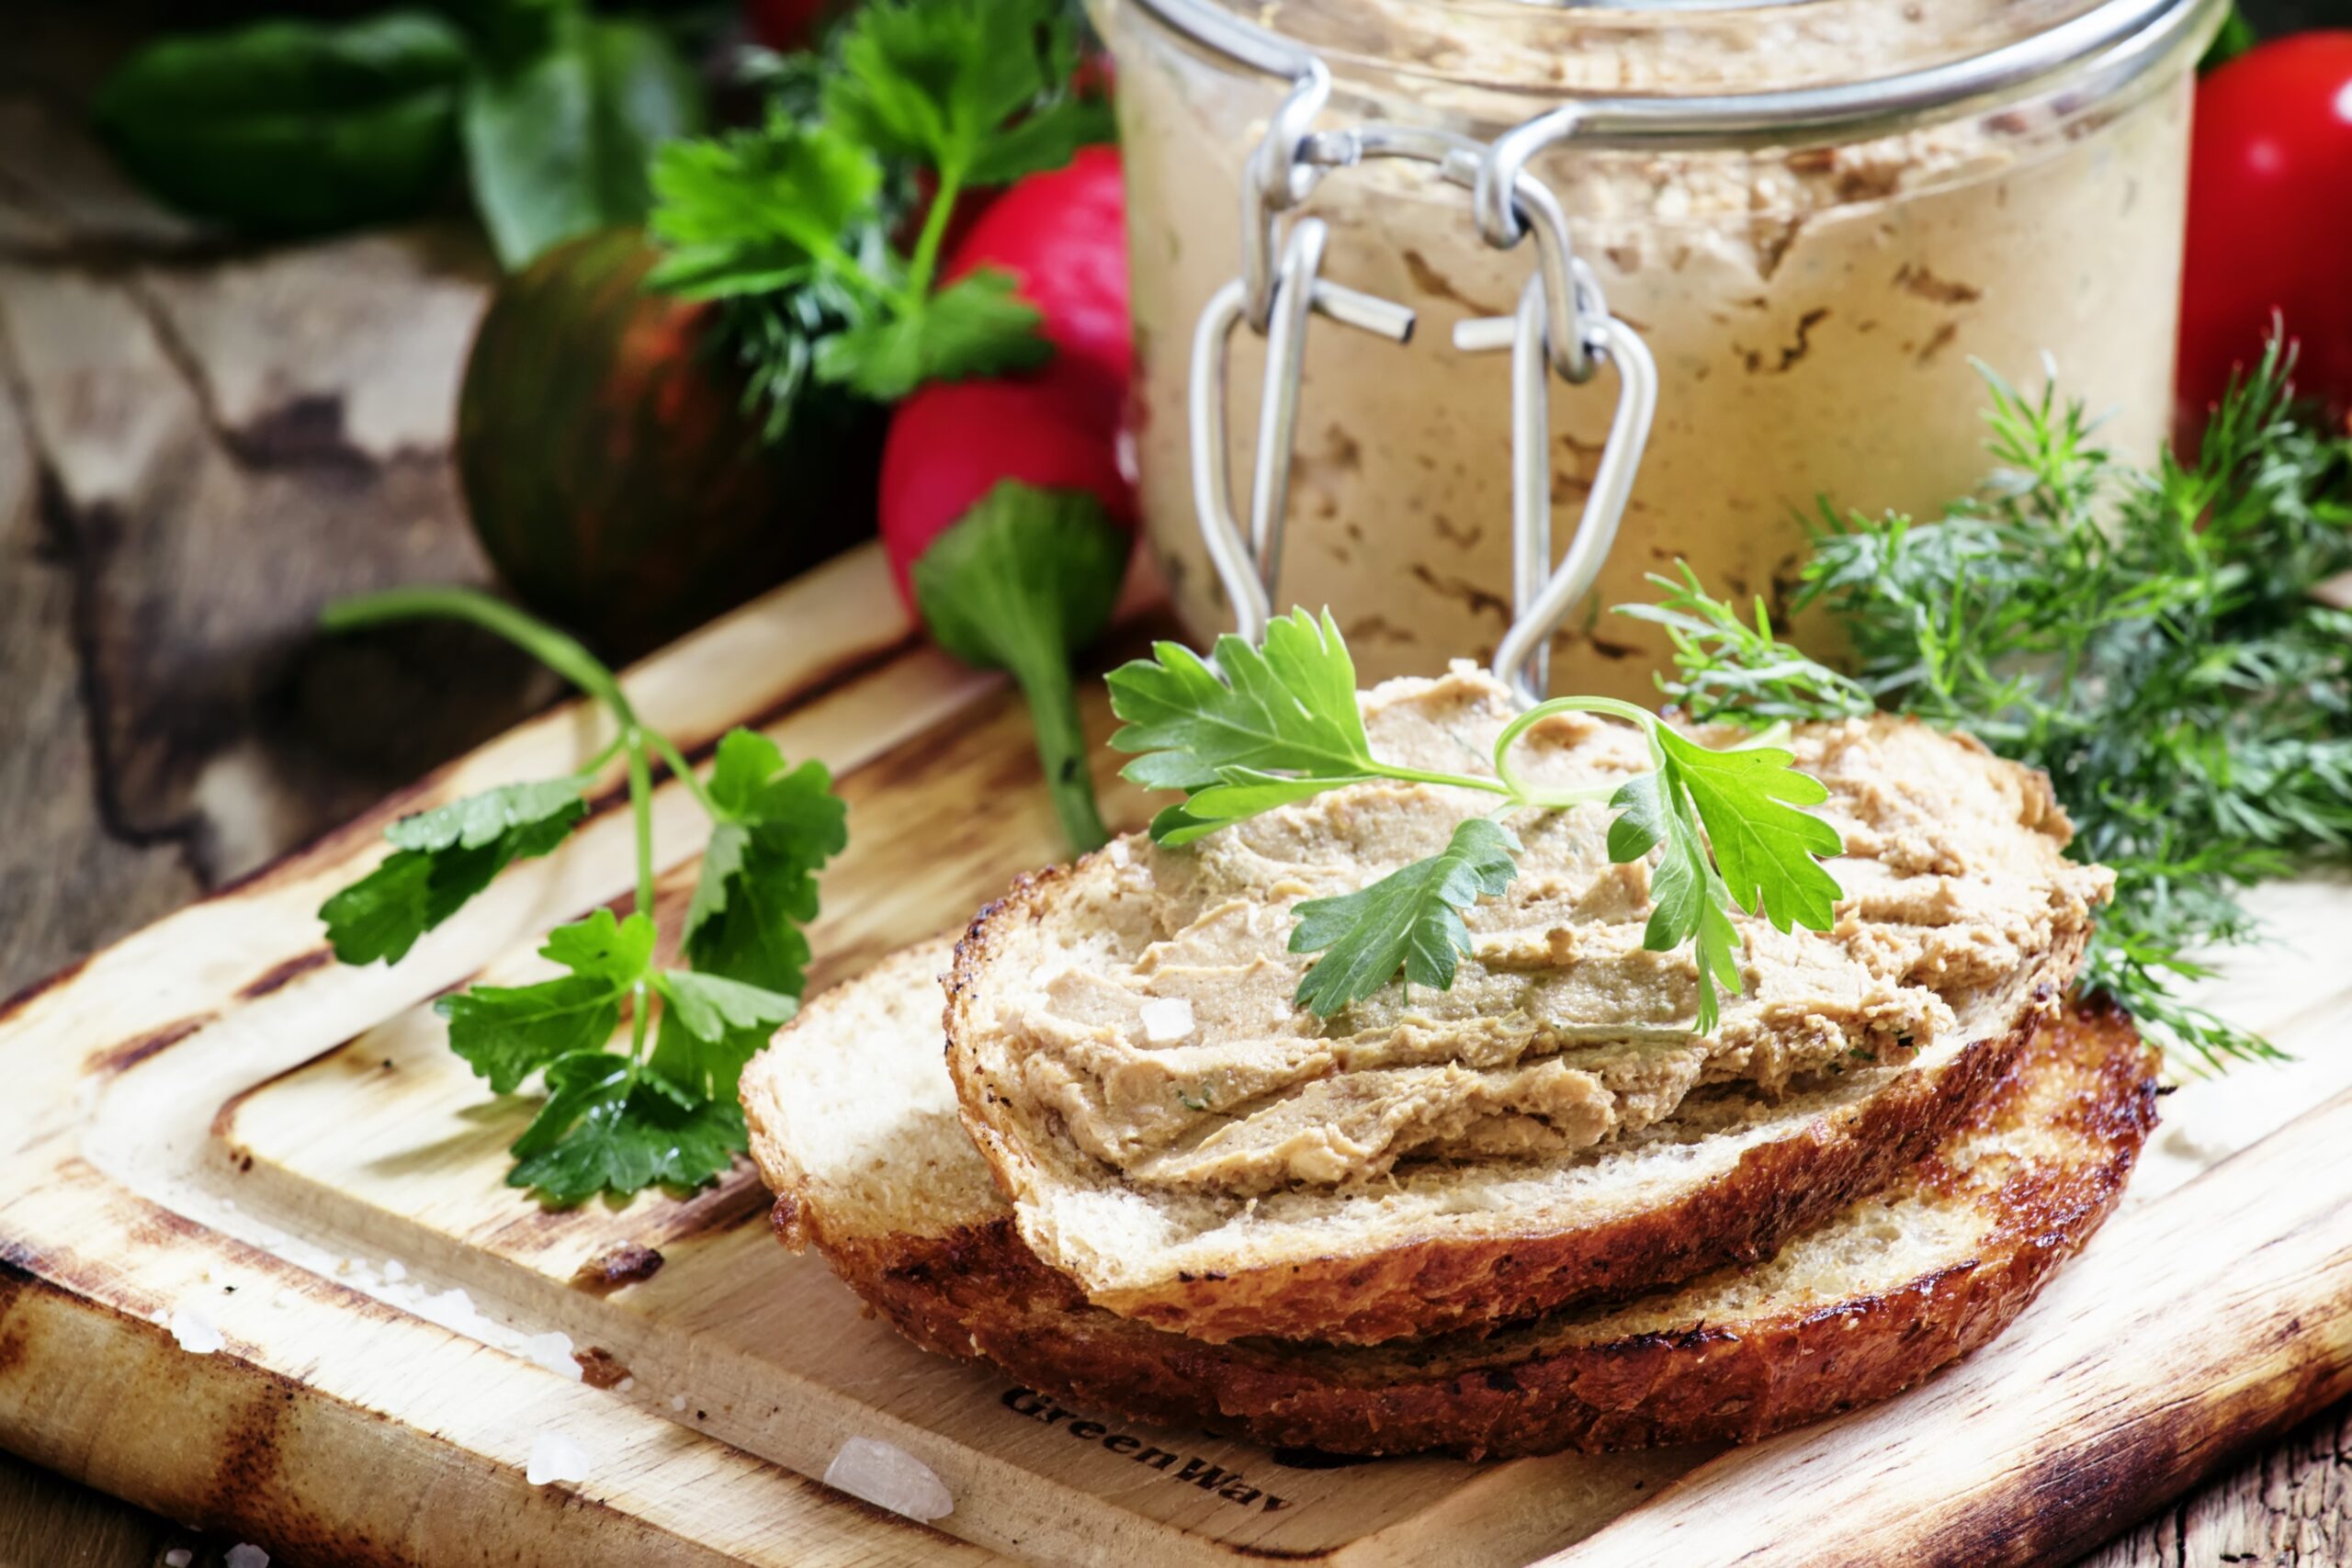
[
  {"x": 663, "y": 1111},
  {"x": 797, "y": 224},
  {"x": 1271, "y": 726},
  {"x": 2150, "y": 638}
]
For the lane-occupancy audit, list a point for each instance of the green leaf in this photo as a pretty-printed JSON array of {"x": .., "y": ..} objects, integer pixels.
[
  {"x": 2237, "y": 36},
  {"x": 710, "y": 1027},
  {"x": 445, "y": 857},
  {"x": 1409, "y": 920},
  {"x": 607, "y": 1127},
  {"x": 559, "y": 143},
  {"x": 484, "y": 819},
  {"x": 1238, "y": 793},
  {"x": 776, "y": 827},
  {"x": 1748, "y": 799},
  {"x": 937, "y": 81},
  {"x": 1290, "y": 707},
  {"x": 756, "y": 211},
  {"x": 1019, "y": 582},
  {"x": 507, "y": 1033},
  {"x": 975, "y": 326},
  {"x": 1688, "y": 899},
  {"x": 289, "y": 127},
  {"x": 1728, "y": 670},
  {"x": 1046, "y": 138}
]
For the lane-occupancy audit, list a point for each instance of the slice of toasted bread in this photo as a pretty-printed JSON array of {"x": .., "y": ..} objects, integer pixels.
[
  {"x": 1550, "y": 1130},
  {"x": 854, "y": 1125}
]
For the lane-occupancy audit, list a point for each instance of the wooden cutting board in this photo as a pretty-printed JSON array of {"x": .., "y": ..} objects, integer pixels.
[{"x": 258, "y": 1268}]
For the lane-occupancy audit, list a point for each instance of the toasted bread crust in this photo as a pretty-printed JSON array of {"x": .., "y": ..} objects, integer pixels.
[
  {"x": 1441, "y": 1283},
  {"x": 979, "y": 1292}
]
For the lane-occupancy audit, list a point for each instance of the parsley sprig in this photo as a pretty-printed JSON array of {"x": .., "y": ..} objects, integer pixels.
[
  {"x": 794, "y": 222},
  {"x": 2148, "y": 637},
  {"x": 1267, "y": 726},
  {"x": 662, "y": 1111}
]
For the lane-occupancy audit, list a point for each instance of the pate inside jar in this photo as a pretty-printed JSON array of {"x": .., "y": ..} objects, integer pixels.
[{"x": 1818, "y": 304}]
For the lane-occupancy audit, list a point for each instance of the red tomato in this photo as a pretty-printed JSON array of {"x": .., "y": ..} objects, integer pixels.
[
  {"x": 951, "y": 441},
  {"x": 2269, "y": 222},
  {"x": 1063, "y": 234}
]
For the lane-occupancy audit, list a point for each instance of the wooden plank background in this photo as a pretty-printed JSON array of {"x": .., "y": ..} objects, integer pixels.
[{"x": 199, "y": 443}]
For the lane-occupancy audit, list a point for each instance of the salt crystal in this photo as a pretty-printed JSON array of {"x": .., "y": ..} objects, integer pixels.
[
  {"x": 246, "y": 1555},
  {"x": 395, "y": 1270},
  {"x": 552, "y": 1350},
  {"x": 178, "y": 1557},
  {"x": 1167, "y": 1020},
  {"x": 195, "y": 1330},
  {"x": 555, "y": 1457},
  {"x": 623, "y": 1385},
  {"x": 678, "y": 1401},
  {"x": 1117, "y": 850},
  {"x": 889, "y": 1477}
]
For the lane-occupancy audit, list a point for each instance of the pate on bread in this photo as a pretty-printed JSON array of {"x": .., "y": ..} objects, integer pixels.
[
  {"x": 854, "y": 1125},
  {"x": 1195, "y": 1149}
]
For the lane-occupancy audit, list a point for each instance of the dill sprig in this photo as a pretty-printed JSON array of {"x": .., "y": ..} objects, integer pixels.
[
  {"x": 1730, "y": 671},
  {"x": 2148, "y": 637}
]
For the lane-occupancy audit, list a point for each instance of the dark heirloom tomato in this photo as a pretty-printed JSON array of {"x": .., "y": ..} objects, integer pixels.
[
  {"x": 2270, "y": 221},
  {"x": 611, "y": 471}
]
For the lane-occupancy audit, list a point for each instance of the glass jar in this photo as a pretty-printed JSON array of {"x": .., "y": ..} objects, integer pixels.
[{"x": 1822, "y": 216}]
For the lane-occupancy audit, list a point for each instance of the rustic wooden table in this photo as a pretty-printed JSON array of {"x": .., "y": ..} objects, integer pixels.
[{"x": 200, "y": 445}]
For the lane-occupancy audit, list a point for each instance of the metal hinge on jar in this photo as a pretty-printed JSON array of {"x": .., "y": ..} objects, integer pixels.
[{"x": 1562, "y": 327}]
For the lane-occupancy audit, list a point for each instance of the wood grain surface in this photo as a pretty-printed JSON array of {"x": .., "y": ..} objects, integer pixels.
[{"x": 200, "y": 443}]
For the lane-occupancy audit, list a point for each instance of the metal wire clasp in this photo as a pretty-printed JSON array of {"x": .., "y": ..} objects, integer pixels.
[
  {"x": 1562, "y": 326},
  {"x": 1542, "y": 593},
  {"x": 1249, "y": 565}
]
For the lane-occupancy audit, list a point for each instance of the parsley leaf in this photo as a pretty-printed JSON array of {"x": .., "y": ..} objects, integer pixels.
[
  {"x": 800, "y": 217},
  {"x": 945, "y": 82},
  {"x": 1268, "y": 728},
  {"x": 975, "y": 326},
  {"x": 610, "y": 1126},
  {"x": 507, "y": 1033},
  {"x": 441, "y": 859},
  {"x": 1287, "y": 708},
  {"x": 1411, "y": 919},
  {"x": 758, "y": 210},
  {"x": 1046, "y": 138},
  {"x": 1747, "y": 799},
  {"x": 1024, "y": 581},
  {"x": 1688, "y": 901},
  {"x": 776, "y": 827},
  {"x": 613, "y": 1121},
  {"x": 710, "y": 1027}
]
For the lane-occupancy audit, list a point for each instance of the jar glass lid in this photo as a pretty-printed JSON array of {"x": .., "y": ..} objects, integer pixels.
[{"x": 1703, "y": 69}]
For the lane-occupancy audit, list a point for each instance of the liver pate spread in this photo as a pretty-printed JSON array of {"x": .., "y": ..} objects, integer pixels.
[{"x": 1162, "y": 1036}]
